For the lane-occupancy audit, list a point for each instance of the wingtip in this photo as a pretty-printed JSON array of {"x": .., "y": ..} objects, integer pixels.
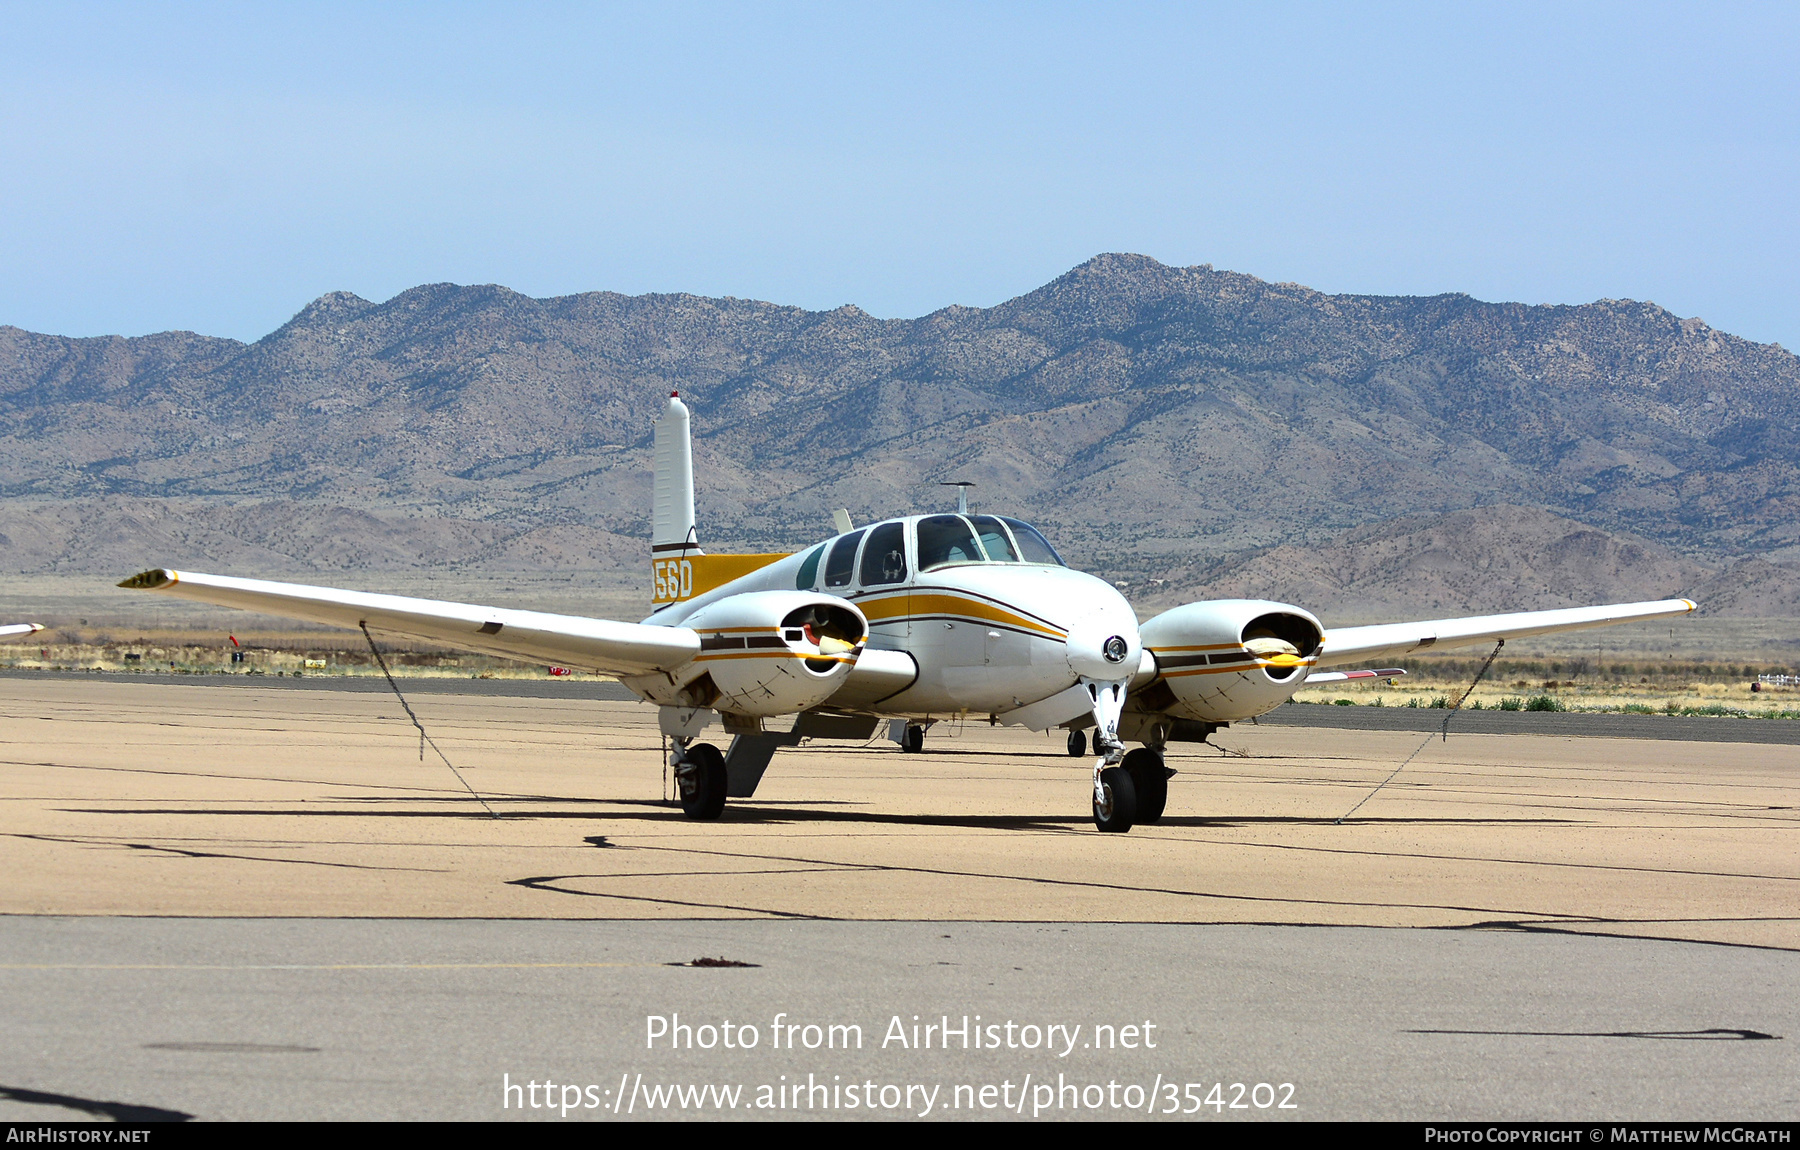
[
  {"x": 154, "y": 579},
  {"x": 1692, "y": 606}
]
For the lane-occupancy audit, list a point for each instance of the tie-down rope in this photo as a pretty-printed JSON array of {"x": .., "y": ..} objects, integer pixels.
[
  {"x": 423, "y": 737},
  {"x": 1444, "y": 732}
]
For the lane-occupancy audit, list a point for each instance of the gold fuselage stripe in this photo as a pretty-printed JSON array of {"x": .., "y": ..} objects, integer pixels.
[{"x": 903, "y": 606}]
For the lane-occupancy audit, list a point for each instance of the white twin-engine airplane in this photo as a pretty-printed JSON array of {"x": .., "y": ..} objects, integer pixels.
[{"x": 914, "y": 620}]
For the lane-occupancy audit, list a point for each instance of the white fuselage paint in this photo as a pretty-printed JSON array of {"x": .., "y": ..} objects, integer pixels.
[{"x": 987, "y": 637}]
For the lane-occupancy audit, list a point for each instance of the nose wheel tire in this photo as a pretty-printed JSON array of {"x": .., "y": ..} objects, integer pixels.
[
  {"x": 700, "y": 780},
  {"x": 913, "y": 741},
  {"x": 1115, "y": 804},
  {"x": 1077, "y": 744},
  {"x": 1150, "y": 779}
]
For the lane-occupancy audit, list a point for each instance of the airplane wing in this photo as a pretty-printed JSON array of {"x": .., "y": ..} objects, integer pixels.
[
  {"x": 1356, "y": 644},
  {"x": 601, "y": 645},
  {"x": 14, "y": 630}
]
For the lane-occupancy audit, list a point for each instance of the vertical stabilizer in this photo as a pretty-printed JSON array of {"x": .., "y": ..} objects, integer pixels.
[
  {"x": 672, "y": 504},
  {"x": 678, "y": 568}
]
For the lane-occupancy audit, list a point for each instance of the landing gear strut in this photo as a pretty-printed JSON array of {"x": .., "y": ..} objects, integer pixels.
[{"x": 700, "y": 780}]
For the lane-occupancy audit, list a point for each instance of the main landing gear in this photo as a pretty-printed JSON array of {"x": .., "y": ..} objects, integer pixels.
[
  {"x": 700, "y": 780},
  {"x": 1077, "y": 743},
  {"x": 912, "y": 741},
  {"x": 1133, "y": 792}
]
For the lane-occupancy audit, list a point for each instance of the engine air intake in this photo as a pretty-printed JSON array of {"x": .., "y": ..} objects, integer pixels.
[{"x": 1281, "y": 640}]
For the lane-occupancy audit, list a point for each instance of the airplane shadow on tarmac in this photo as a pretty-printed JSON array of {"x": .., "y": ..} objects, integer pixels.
[
  {"x": 749, "y": 814},
  {"x": 117, "y": 1111}
]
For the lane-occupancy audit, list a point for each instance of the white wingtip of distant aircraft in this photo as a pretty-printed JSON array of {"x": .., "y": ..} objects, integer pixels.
[{"x": 14, "y": 630}]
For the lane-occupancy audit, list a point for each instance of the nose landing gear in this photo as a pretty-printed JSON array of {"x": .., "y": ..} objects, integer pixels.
[
  {"x": 1115, "y": 798},
  {"x": 1115, "y": 789},
  {"x": 1077, "y": 743}
]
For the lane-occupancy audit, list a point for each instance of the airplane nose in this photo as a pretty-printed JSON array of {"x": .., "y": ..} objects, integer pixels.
[{"x": 1103, "y": 648}]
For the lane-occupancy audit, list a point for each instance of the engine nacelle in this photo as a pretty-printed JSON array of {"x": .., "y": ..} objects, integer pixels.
[
  {"x": 768, "y": 653},
  {"x": 1227, "y": 659}
]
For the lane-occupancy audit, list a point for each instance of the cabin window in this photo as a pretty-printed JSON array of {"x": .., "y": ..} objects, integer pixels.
[
  {"x": 842, "y": 561},
  {"x": 809, "y": 570},
  {"x": 946, "y": 539},
  {"x": 994, "y": 539},
  {"x": 884, "y": 558},
  {"x": 1034, "y": 547}
]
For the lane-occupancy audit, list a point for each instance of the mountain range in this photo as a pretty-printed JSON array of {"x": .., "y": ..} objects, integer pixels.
[{"x": 1181, "y": 430}]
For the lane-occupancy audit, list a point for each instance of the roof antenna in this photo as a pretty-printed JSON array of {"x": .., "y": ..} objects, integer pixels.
[{"x": 962, "y": 494}]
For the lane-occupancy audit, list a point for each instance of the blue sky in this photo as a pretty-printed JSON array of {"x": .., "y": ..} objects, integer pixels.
[{"x": 213, "y": 168}]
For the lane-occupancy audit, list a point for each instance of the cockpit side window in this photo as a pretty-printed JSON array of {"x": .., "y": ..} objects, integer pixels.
[
  {"x": 809, "y": 570},
  {"x": 1034, "y": 547},
  {"x": 946, "y": 539},
  {"x": 842, "y": 561},
  {"x": 884, "y": 559},
  {"x": 994, "y": 539}
]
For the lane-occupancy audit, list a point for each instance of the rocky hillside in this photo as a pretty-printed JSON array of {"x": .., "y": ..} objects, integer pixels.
[{"x": 1157, "y": 421}]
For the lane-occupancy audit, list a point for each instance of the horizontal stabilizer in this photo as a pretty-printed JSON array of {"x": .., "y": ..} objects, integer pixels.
[
  {"x": 599, "y": 645},
  {"x": 1357, "y": 644}
]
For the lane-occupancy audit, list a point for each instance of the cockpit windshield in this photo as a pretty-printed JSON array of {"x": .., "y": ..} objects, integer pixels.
[
  {"x": 1032, "y": 546},
  {"x": 946, "y": 539},
  {"x": 994, "y": 539}
]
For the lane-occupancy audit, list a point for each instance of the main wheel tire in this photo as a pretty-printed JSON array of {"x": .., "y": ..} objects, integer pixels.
[
  {"x": 1077, "y": 743},
  {"x": 915, "y": 739},
  {"x": 1118, "y": 809},
  {"x": 701, "y": 781},
  {"x": 1151, "y": 780}
]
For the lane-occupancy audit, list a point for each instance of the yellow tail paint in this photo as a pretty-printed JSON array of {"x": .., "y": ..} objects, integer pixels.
[{"x": 673, "y": 580}]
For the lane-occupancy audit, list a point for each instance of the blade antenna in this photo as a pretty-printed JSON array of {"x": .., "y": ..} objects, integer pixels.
[
  {"x": 423, "y": 737},
  {"x": 1444, "y": 731}
]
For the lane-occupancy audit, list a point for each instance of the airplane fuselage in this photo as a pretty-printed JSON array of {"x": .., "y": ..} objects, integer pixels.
[{"x": 986, "y": 636}]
